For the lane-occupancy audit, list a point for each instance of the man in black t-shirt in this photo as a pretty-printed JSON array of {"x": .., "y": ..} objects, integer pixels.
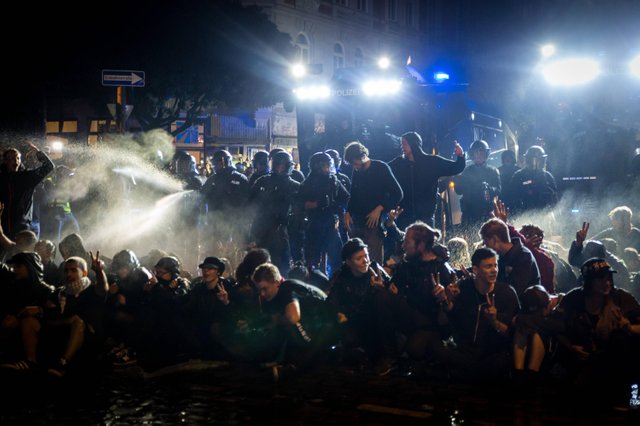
[{"x": 284, "y": 301}]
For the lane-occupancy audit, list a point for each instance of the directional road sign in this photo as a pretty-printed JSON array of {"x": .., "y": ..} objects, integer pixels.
[{"x": 123, "y": 78}]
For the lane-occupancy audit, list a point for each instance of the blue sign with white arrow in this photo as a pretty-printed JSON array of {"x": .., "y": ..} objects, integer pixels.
[{"x": 123, "y": 78}]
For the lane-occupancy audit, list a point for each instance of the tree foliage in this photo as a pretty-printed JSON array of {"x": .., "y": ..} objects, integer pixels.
[{"x": 198, "y": 56}]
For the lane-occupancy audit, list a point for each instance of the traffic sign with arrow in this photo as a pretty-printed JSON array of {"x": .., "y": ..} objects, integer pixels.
[{"x": 123, "y": 78}]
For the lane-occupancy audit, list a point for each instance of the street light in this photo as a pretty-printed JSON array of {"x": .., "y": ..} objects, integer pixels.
[
  {"x": 548, "y": 50},
  {"x": 634, "y": 67},
  {"x": 384, "y": 63},
  {"x": 298, "y": 70},
  {"x": 571, "y": 72}
]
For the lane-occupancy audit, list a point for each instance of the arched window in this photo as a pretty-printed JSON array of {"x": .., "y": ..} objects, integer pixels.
[
  {"x": 358, "y": 58},
  {"x": 303, "y": 49},
  {"x": 338, "y": 56}
]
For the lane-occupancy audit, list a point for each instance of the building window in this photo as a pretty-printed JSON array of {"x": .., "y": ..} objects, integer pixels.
[
  {"x": 303, "y": 49},
  {"x": 409, "y": 14},
  {"x": 53, "y": 127},
  {"x": 70, "y": 126},
  {"x": 338, "y": 56},
  {"x": 362, "y": 5},
  {"x": 358, "y": 58},
  {"x": 393, "y": 10}
]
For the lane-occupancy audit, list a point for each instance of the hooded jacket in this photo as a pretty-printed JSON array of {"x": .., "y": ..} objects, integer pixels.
[
  {"x": 16, "y": 192},
  {"x": 33, "y": 291},
  {"x": 419, "y": 180}
]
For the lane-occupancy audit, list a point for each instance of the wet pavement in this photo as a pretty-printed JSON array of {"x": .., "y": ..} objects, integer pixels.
[{"x": 216, "y": 393}]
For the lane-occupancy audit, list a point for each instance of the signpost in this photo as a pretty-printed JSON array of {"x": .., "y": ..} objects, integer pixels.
[{"x": 123, "y": 78}]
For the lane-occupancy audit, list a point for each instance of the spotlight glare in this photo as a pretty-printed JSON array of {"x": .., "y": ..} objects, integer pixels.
[
  {"x": 548, "y": 50},
  {"x": 384, "y": 62},
  {"x": 298, "y": 70},
  {"x": 571, "y": 72},
  {"x": 634, "y": 67}
]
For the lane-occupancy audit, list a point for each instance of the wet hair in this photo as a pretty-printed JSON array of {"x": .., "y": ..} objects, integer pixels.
[
  {"x": 459, "y": 249},
  {"x": 535, "y": 299},
  {"x": 7, "y": 151},
  {"x": 423, "y": 233},
  {"x": 355, "y": 151},
  {"x": 266, "y": 272},
  {"x": 252, "y": 259},
  {"x": 82, "y": 264},
  {"x": 610, "y": 245},
  {"x": 481, "y": 254},
  {"x": 532, "y": 229},
  {"x": 49, "y": 245},
  {"x": 495, "y": 227},
  {"x": 26, "y": 238},
  {"x": 622, "y": 214},
  {"x": 413, "y": 139}
]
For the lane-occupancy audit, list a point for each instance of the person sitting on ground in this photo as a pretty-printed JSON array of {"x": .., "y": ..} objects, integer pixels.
[
  {"x": 622, "y": 229},
  {"x": 47, "y": 251},
  {"x": 601, "y": 333},
  {"x": 357, "y": 292},
  {"x": 518, "y": 267},
  {"x": 481, "y": 310},
  {"x": 297, "y": 320},
  {"x": 22, "y": 304},
  {"x": 531, "y": 341},
  {"x": 208, "y": 311},
  {"x": 582, "y": 249},
  {"x": 76, "y": 311}
]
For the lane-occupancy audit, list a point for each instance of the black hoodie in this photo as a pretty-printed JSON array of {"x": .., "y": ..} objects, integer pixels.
[
  {"x": 419, "y": 180},
  {"x": 17, "y": 294},
  {"x": 16, "y": 192}
]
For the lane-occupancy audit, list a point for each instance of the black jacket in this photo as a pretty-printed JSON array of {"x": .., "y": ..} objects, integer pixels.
[
  {"x": 16, "y": 192},
  {"x": 419, "y": 182}
]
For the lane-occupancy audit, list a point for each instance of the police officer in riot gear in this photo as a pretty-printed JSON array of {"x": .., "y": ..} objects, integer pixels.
[
  {"x": 226, "y": 192},
  {"x": 183, "y": 166},
  {"x": 478, "y": 184},
  {"x": 533, "y": 187},
  {"x": 260, "y": 164},
  {"x": 324, "y": 199},
  {"x": 274, "y": 197}
]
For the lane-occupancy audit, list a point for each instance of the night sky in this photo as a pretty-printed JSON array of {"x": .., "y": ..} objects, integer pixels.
[{"x": 53, "y": 50}]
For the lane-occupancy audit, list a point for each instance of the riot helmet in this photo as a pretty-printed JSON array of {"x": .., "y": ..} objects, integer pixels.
[
  {"x": 260, "y": 162},
  {"x": 183, "y": 164},
  {"x": 479, "y": 152},
  {"x": 337, "y": 161},
  {"x": 535, "y": 158},
  {"x": 321, "y": 163},
  {"x": 282, "y": 163},
  {"x": 222, "y": 160}
]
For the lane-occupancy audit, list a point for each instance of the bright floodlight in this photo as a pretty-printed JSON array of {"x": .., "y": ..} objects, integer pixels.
[
  {"x": 312, "y": 92},
  {"x": 571, "y": 72},
  {"x": 298, "y": 70},
  {"x": 381, "y": 87},
  {"x": 384, "y": 62},
  {"x": 56, "y": 146},
  {"x": 634, "y": 67},
  {"x": 548, "y": 50}
]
